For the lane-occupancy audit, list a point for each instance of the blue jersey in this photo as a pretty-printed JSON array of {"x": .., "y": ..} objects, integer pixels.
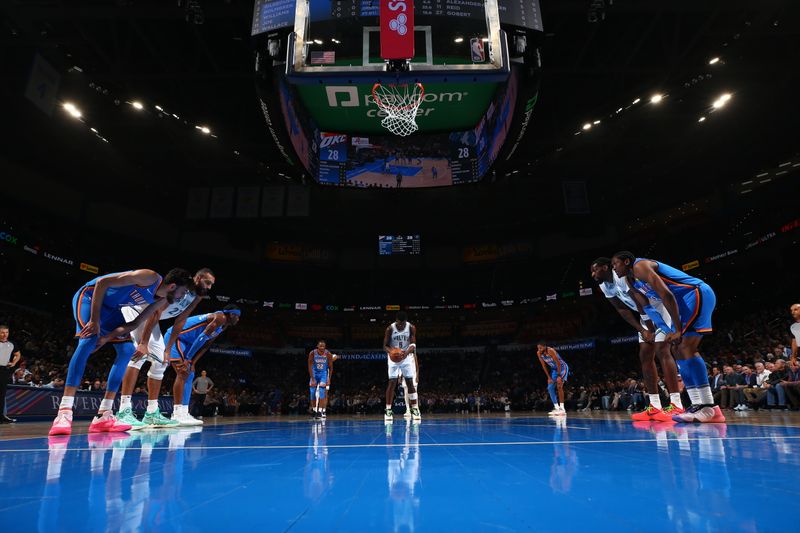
[
  {"x": 551, "y": 362},
  {"x": 320, "y": 362},
  {"x": 124, "y": 296},
  {"x": 677, "y": 281},
  {"x": 195, "y": 325}
]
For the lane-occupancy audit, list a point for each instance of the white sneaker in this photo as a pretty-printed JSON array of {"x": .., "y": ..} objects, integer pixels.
[
  {"x": 745, "y": 408},
  {"x": 554, "y": 412},
  {"x": 407, "y": 414},
  {"x": 185, "y": 419},
  {"x": 561, "y": 413}
]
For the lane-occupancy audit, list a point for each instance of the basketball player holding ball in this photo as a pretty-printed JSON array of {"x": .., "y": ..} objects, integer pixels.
[{"x": 400, "y": 344}]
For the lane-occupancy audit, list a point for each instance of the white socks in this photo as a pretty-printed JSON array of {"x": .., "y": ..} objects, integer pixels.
[
  {"x": 655, "y": 401},
  {"x": 694, "y": 396},
  {"x": 105, "y": 405},
  {"x": 152, "y": 406},
  {"x": 124, "y": 402},
  {"x": 675, "y": 399},
  {"x": 67, "y": 402},
  {"x": 706, "y": 396}
]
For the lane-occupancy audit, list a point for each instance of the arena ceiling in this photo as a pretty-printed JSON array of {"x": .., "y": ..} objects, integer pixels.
[{"x": 193, "y": 59}]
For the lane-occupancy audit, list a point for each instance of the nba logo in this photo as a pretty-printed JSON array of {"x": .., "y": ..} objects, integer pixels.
[{"x": 476, "y": 48}]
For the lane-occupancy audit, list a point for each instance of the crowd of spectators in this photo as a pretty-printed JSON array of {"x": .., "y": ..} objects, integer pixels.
[{"x": 748, "y": 359}]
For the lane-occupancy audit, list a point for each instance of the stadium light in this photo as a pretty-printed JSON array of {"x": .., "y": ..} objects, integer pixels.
[
  {"x": 637, "y": 100},
  {"x": 656, "y": 98},
  {"x": 137, "y": 105},
  {"x": 721, "y": 101},
  {"x": 458, "y": 40},
  {"x": 596, "y": 122},
  {"x": 70, "y": 108},
  {"x": 701, "y": 119},
  {"x": 587, "y": 126},
  {"x": 713, "y": 61}
]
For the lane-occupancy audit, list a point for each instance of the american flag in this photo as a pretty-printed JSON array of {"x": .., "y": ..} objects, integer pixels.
[{"x": 323, "y": 58}]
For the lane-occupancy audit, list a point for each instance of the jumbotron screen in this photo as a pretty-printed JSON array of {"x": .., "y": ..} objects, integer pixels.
[{"x": 399, "y": 245}]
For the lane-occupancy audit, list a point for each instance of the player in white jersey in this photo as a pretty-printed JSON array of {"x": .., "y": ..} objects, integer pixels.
[
  {"x": 400, "y": 344},
  {"x": 149, "y": 341},
  {"x": 653, "y": 325}
]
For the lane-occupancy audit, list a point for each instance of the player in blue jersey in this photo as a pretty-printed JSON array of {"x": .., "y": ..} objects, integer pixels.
[
  {"x": 650, "y": 319},
  {"x": 98, "y": 320},
  {"x": 320, "y": 372},
  {"x": 557, "y": 371},
  {"x": 690, "y": 303},
  {"x": 149, "y": 342},
  {"x": 193, "y": 341}
]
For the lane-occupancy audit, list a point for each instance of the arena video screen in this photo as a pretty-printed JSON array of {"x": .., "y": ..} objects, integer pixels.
[
  {"x": 399, "y": 245},
  {"x": 269, "y": 15}
]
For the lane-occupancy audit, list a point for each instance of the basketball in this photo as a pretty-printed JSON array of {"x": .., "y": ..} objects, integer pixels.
[{"x": 396, "y": 355}]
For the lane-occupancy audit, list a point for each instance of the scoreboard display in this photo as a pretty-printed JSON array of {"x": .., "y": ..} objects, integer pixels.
[
  {"x": 269, "y": 15},
  {"x": 399, "y": 245}
]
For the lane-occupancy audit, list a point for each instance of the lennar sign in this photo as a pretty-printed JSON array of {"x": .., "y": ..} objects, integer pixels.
[{"x": 347, "y": 96}]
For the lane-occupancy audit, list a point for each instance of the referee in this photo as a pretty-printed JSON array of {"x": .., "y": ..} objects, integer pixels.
[{"x": 9, "y": 357}]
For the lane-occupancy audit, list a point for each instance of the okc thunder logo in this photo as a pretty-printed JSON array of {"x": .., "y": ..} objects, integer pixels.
[{"x": 399, "y": 24}]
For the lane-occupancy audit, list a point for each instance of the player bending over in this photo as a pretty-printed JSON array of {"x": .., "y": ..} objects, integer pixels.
[
  {"x": 149, "y": 342},
  {"x": 557, "y": 371},
  {"x": 653, "y": 324},
  {"x": 98, "y": 319},
  {"x": 193, "y": 341},
  {"x": 690, "y": 303}
]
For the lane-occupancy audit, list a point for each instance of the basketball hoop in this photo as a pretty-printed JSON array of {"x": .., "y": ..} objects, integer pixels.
[{"x": 400, "y": 103}]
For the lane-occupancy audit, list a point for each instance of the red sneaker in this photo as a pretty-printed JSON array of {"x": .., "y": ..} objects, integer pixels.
[
  {"x": 648, "y": 415},
  {"x": 718, "y": 417},
  {"x": 107, "y": 423},
  {"x": 62, "y": 425},
  {"x": 668, "y": 412}
]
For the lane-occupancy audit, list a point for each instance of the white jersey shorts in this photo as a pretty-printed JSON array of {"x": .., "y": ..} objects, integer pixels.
[
  {"x": 660, "y": 334},
  {"x": 155, "y": 346},
  {"x": 406, "y": 368}
]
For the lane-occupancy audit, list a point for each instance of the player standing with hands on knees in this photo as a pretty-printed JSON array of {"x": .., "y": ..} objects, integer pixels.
[
  {"x": 400, "y": 344},
  {"x": 556, "y": 370},
  {"x": 320, "y": 372}
]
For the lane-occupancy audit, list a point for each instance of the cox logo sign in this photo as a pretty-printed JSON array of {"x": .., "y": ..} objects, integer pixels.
[{"x": 7, "y": 237}]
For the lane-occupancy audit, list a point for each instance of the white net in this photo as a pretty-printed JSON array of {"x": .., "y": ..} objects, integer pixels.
[{"x": 400, "y": 103}]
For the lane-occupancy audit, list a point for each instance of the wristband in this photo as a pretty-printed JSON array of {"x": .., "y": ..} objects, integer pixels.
[{"x": 412, "y": 345}]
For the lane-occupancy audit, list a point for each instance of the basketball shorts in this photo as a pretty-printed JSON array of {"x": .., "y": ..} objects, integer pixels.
[{"x": 406, "y": 368}]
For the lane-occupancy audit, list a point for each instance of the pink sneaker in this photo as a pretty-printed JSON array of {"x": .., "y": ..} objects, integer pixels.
[
  {"x": 62, "y": 425},
  {"x": 107, "y": 423}
]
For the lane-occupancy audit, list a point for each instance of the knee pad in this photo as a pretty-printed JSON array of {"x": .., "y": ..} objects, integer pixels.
[
  {"x": 412, "y": 396},
  {"x": 157, "y": 371}
]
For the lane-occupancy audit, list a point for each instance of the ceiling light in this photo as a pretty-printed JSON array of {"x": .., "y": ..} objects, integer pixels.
[
  {"x": 458, "y": 40},
  {"x": 619, "y": 110},
  {"x": 317, "y": 41},
  {"x": 596, "y": 122},
  {"x": 701, "y": 119},
  {"x": 137, "y": 105},
  {"x": 713, "y": 61},
  {"x": 656, "y": 98},
  {"x": 94, "y": 130},
  {"x": 205, "y": 130},
  {"x": 587, "y": 126},
  {"x": 637, "y": 100},
  {"x": 72, "y": 110},
  {"x": 721, "y": 101},
  {"x": 159, "y": 108}
]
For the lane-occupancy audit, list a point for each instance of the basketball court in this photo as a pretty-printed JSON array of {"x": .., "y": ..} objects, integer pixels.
[{"x": 467, "y": 473}]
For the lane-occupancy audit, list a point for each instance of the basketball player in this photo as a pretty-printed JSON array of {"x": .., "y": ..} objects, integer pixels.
[
  {"x": 651, "y": 338},
  {"x": 401, "y": 335},
  {"x": 405, "y": 387},
  {"x": 320, "y": 370},
  {"x": 795, "y": 330},
  {"x": 150, "y": 342},
  {"x": 690, "y": 303},
  {"x": 191, "y": 343},
  {"x": 96, "y": 308},
  {"x": 557, "y": 371}
]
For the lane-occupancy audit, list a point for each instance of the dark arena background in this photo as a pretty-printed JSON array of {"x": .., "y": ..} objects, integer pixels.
[{"x": 510, "y": 223}]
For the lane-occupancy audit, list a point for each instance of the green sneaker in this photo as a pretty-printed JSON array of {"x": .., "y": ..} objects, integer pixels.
[
  {"x": 388, "y": 415},
  {"x": 126, "y": 416},
  {"x": 157, "y": 420},
  {"x": 415, "y": 414}
]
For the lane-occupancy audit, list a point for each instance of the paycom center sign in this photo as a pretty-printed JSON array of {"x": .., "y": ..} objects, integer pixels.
[{"x": 351, "y": 108}]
